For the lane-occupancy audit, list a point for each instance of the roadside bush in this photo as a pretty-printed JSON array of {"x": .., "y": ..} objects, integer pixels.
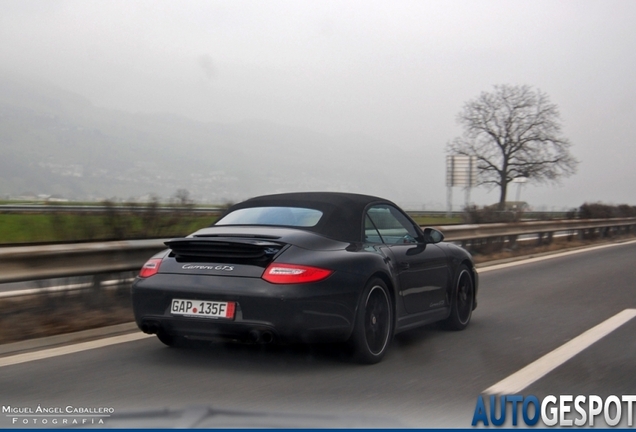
[
  {"x": 114, "y": 220},
  {"x": 477, "y": 215},
  {"x": 604, "y": 211}
]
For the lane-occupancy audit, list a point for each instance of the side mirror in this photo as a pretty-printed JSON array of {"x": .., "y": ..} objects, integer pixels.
[{"x": 431, "y": 235}]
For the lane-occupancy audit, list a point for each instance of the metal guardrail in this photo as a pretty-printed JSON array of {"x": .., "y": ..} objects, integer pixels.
[
  {"x": 482, "y": 231},
  {"x": 27, "y": 263}
]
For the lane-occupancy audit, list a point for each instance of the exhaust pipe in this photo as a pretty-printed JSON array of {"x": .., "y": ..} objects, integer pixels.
[
  {"x": 254, "y": 336},
  {"x": 150, "y": 327},
  {"x": 267, "y": 337},
  {"x": 257, "y": 336}
]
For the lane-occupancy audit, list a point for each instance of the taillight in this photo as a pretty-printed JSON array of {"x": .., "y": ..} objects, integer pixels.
[
  {"x": 150, "y": 268},
  {"x": 294, "y": 274}
]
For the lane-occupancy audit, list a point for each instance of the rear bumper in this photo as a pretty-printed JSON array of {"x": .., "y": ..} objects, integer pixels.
[{"x": 316, "y": 312}]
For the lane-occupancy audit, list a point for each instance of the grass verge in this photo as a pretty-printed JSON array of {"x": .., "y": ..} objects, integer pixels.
[
  {"x": 77, "y": 227},
  {"x": 119, "y": 225}
]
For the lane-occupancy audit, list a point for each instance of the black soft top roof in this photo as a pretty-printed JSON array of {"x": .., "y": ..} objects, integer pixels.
[{"x": 343, "y": 213}]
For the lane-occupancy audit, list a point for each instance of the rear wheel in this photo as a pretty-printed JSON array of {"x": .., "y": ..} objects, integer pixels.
[
  {"x": 462, "y": 301},
  {"x": 373, "y": 329}
]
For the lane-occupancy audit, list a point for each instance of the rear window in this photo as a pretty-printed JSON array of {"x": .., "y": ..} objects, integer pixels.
[{"x": 285, "y": 216}]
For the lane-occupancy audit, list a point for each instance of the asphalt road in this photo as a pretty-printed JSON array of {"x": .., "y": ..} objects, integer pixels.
[{"x": 430, "y": 377}]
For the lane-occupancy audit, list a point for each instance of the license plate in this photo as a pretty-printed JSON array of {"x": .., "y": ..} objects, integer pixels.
[{"x": 203, "y": 309}]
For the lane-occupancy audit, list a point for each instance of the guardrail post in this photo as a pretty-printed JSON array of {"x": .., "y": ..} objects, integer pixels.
[
  {"x": 512, "y": 241},
  {"x": 95, "y": 290},
  {"x": 571, "y": 235}
]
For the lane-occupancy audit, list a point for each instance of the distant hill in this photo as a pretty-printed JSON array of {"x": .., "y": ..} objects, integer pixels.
[{"x": 56, "y": 142}]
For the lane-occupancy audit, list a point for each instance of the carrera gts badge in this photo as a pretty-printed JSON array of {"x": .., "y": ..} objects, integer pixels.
[{"x": 208, "y": 267}]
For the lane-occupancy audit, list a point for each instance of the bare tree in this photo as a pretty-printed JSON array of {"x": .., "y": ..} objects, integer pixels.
[
  {"x": 182, "y": 198},
  {"x": 514, "y": 132}
]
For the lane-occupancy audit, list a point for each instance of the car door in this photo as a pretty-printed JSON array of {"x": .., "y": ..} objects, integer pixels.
[{"x": 422, "y": 267}]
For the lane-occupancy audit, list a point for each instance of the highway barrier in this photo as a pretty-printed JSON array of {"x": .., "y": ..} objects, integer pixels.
[
  {"x": 471, "y": 235},
  {"x": 29, "y": 263}
]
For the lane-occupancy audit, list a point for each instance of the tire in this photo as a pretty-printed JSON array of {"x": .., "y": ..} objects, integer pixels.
[
  {"x": 462, "y": 301},
  {"x": 171, "y": 340},
  {"x": 373, "y": 329}
]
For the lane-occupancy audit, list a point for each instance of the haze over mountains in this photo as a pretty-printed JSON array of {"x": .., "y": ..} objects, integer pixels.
[
  {"x": 267, "y": 95},
  {"x": 55, "y": 142}
]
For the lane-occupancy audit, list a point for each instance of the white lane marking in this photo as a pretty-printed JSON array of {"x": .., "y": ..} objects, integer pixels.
[
  {"x": 541, "y": 367},
  {"x": 70, "y": 349},
  {"x": 481, "y": 270}
]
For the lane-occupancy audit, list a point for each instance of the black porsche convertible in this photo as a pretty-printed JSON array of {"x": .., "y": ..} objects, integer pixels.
[{"x": 306, "y": 267}]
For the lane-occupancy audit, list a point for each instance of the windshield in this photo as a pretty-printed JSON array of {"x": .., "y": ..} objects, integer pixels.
[{"x": 286, "y": 216}]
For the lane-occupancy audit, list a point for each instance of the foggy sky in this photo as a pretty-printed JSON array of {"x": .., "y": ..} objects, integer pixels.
[{"x": 395, "y": 71}]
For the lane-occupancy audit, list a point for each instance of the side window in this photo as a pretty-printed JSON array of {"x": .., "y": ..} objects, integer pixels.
[
  {"x": 392, "y": 226},
  {"x": 371, "y": 234}
]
